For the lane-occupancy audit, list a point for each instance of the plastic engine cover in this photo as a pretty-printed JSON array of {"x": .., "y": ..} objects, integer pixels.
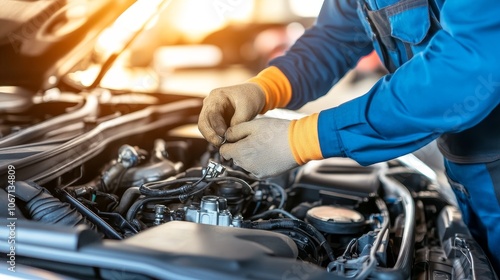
[{"x": 201, "y": 240}]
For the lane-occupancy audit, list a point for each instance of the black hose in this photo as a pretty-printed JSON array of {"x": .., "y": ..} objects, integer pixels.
[
  {"x": 146, "y": 189},
  {"x": 42, "y": 206},
  {"x": 150, "y": 189},
  {"x": 271, "y": 212},
  {"x": 199, "y": 188},
  {"x": 132, "y": 211},
  {"x": 292, "y": 224},
  {"x": 108, "y": 230},
  {"x": 181, "y": 193},
  {"x": 280, "y": 189},
  {"x": 127, "y": 199}
]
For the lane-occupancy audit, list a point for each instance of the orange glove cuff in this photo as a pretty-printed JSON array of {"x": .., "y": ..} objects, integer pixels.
[
  {"x": 303, "y": 139},
  {"x": 276, "y": 87}
]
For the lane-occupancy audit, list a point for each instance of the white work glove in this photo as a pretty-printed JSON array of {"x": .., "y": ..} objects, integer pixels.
[
  {"x": 260, "y": 146},
  {"x": 229, "y": 106}
]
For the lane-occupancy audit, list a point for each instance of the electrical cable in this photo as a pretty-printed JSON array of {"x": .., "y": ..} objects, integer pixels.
[
  {"x": 271, "y": 212},
  {"x": 108, "y": 230},
  {"x": 146, "y": 189},
  {"x": 281, "y": 190},
  {"x": 181, "y": 193},
  {"x": 184, "y": 197}
]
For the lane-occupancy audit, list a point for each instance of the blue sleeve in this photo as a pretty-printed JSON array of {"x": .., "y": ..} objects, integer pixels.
[
  {"x": 450, "y": 86},
  {"x": 325, "y": 52}
]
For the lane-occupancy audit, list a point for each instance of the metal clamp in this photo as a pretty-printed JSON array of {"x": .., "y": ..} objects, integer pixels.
[{"x": 224, "y": 138}]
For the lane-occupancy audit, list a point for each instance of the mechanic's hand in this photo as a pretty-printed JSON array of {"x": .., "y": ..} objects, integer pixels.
[
  {"x": 229, "y": 106},
  {"x": 260, "y": 146}
]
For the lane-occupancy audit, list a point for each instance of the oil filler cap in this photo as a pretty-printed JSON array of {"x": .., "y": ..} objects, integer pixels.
[{"x": 336, "y": 219}]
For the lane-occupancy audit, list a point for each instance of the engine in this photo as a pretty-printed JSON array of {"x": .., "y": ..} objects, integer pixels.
[
  {"x": 162, "y": 189},
  {"x": 336, "y": 212}
]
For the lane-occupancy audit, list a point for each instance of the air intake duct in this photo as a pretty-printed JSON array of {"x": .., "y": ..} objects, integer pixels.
[{"x": 41, "y": 206}]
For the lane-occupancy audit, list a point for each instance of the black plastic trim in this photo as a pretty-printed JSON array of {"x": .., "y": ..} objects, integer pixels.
[{"x": 48, "y": 165}]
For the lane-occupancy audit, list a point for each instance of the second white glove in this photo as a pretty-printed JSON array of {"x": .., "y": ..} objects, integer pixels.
[{"x": 260, "y": 146}]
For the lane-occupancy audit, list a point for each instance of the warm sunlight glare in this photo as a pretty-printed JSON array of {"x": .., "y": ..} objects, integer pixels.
[
  {"x": 113, "y": 38},
  {"x": 309, "y": 8},
  {"x": 195, "y": 18}
]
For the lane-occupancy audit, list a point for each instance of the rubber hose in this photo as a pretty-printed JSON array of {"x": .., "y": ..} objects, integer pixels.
[
  {"x": 151, "y": 192},
  {"x": 42, "y": 206},
  {"x": 128, "y": 197},
  {"x": 159, "y": 193}
]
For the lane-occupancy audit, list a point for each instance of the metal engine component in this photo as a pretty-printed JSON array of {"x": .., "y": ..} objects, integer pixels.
[
  {"x": 160, "y": 214},
  {"x": 213, "y": 211},
  {"x": 127, "y": 157},
  {"x": 214, "y": 169}
]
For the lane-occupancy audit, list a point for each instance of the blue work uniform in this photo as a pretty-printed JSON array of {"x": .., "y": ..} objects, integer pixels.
[{"x": 444, "y": 83}]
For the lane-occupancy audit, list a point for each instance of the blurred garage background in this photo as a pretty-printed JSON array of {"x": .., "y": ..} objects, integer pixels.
[{"x": 194, "y": 46}]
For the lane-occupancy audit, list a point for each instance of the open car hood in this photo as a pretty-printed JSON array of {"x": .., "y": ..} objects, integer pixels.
[{"x": 42, "y": 40}]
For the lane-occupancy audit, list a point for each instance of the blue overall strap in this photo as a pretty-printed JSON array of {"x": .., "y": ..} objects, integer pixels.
[
  {"x": 380, "y": 24},
  {"x": 480, "y": 143}
]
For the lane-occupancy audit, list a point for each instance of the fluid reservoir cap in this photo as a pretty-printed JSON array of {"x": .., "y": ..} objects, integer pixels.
[{"x": 335, "y": 219}]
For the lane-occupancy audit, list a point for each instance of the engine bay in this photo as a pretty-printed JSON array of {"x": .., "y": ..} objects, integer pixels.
[
  {"x": 139, "y": 181},
  {"x": 104, "y": 174}
]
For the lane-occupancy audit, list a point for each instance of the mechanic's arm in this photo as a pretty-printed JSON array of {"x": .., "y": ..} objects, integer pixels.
[
  {"x": 314, "y": 64},
  {"x": 449, "y": 87},
  {"x": 321, "y": 56}
]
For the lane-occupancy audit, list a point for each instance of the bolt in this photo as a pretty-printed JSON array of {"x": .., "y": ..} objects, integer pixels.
[{"x": 160, "y": 214}]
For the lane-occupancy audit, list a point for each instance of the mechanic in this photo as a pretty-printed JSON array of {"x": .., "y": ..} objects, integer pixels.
[{"x": 444, "y": 83}]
